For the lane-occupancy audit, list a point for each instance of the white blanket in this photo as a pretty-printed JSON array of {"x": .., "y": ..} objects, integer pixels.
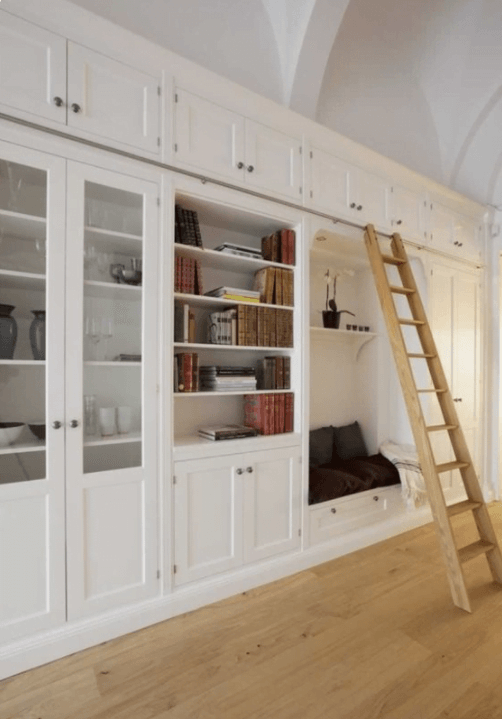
[{"x": 405, "y": 459}]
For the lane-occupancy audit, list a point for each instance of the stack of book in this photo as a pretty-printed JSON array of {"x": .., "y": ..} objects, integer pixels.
[
  {"x": 249, "y": 326},
  {"x": 186, "y": 372},
  {"x": 127, "y": 358},
  {"x": 215, "y": 378},
  {"x": 234, "y": 293},
  {"x": 188, "y": 276},
  {"x": 229, "y": 248},
  {"x": 274, "y": 373},
  {"x": 269, "y": 413},
  {"x": 184, "y": 322},
  {"x": 226, "y": 431},
  {"x": 222, "y": 327},
  {"x": 275, "y": 286},
  {"x": 279, "y": 247},
  {"x": 186, "y": 229}
]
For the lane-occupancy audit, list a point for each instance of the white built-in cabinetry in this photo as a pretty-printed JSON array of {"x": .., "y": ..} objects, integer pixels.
[{"x": 455, "y": 233}]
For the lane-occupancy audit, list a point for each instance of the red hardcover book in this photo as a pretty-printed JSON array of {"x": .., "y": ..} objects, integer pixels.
[
  {"x": 187, "y": 371},
  {"x": 198, "y": 288},
  {"x": 283, "y": 245},
  {"x": 277, "y": 414},
  {"x": 289, "y": 412},
  {"x": 253, "y": 411},
  {"x": 195, "y": 372},
  {"x": 291, "y": 247}
]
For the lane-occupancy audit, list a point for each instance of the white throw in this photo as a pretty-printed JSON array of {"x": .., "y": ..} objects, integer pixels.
[{"x": 404, "y": 457}]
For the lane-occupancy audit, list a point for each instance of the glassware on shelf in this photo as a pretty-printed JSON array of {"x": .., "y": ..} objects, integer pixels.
[
  {"x": 106, "y": 334},
  {"x": 37, "y": 335},
  {"x": 124, "y": 417},
  {"x": 8, "y": 332},
  {"x": 93, "y": 332},
  {"x": 90, "y": 261},
  {"x": 107, "y": 421},
  {"x": 103, "y": 261},
  {"x": 90, "y": 415}
]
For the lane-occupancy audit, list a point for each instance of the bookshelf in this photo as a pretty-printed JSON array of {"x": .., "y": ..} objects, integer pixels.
[{"x": 222, "y": 225}]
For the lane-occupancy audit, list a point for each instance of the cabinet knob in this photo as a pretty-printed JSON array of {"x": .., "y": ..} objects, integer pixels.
[
  {"x": 333, "y": 510},
  {"x": 249, "y": 469},
  {"x": 56, "y": 425},
  {"x": 58, "y": 101},
  {"x": 455, "y": 243},
  {"x": 240, "y": 165},
  {"x": 74, "y": 423},
  {"x": 399, "y": 222},
  {"x": 76, "y": 107},
  {"x": 250, "y": 168},
  {"x": 359, "y": 207},
  {"x": 240, "y": 471},
  {"x": 376, "y": 498},
  {"x": 460, "y": 244},
  {"x": 353, "y": 205}
]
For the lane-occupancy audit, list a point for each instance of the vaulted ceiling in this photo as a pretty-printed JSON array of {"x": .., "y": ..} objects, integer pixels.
[{"x": 417, "y": 80}]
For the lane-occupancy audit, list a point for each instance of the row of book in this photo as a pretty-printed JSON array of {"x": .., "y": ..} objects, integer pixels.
[
  {"x": 250, "y": 326},
  {"x": 274, "y": 373},
  {"x": 186, "y": 372},
  {"x": 188, "y": 276},
  {"x": 184, "y": 323},
  {"x": 275, "y": 285},
  {"x": 279, "y": 247},
  {"x": 186, "y": 228},
  {"x": 218, "y": 378},
  {"x": 269, "y": 413}
]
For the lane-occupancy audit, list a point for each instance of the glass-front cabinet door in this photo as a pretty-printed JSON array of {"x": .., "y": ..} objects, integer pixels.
[
  {"x": 111, "y": 389},
  {"x": 32, "y": 305}
]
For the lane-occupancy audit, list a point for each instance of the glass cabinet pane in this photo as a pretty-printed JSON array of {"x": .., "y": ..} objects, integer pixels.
[
  {"x": 113, "y": 328},
  {"x": 23, "y": 257}
]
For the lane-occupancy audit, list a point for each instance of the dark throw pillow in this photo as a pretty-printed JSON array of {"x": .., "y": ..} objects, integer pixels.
[
  {"x": 320, "y": 446},
  {"x": 348, "y": 441}
]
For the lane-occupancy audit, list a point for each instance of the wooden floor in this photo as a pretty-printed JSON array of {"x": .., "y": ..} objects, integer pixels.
[{"x": 373, "y": 634}]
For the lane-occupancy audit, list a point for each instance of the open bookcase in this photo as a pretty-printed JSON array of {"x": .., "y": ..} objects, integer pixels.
[{"x": 254, "y": 330}]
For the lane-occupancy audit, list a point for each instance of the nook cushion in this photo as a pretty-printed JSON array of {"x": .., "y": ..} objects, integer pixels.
[
  {"x": 321, "y": 446},
  {"x": 348, "y": 441}
]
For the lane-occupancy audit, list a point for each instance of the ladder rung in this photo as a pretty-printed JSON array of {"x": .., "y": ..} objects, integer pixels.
[
  {"x": 461, "y": 507},
  {"x": 401, "y": 290},
  {"x": 447, "y": 466},
  {"x": 441, "y": 427},
  {"x": 390, "y": 260},
  {"x": 474, "y": 550},
  {"x": 403, "y": 321},
  {"x": 437, "y": 391},
  {"x": 420, "y": 356}
]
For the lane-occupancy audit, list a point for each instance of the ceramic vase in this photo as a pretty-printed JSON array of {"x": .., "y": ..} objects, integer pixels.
[
  {"x": 8, "y": 332},
  {"x": 37, "y": 335}
]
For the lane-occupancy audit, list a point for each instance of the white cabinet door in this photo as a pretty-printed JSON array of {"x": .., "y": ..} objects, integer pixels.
[
  {"x": 209, "y": 137},
  {"x": 112, "y": 463},
  {"x": 32, "y": 69},
  {"x": 272, "y": 490},
  {"x": 441, "y": 227},
  {"x": 273, "y": 160},
  {"x": 407, "y": 213},
  {"x": 112, "y": 100},
  {"x": 32, "y": 512},
  {"x": 207, "y": 517},
  {"x": 467, "y": 235},
  {"x": 372, "y": 199},
  {"x": 332, "y": 183}
]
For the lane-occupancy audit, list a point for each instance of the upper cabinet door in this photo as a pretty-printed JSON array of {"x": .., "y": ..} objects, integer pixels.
[
  {"x": 441, "y": 227},
  {"x": 32, "y": 69},
  {"x": 273, "y": 160},
  {"x": 407, "y": 212},
  {"x": 372, "y": 199},
  {"x": 467, "y": 235},
  {"x": 209, "y": 137},
  {"x": 332, "y": 187},
  {"x": 272, "y": 501},
  {"x": 112, "y": 100}
]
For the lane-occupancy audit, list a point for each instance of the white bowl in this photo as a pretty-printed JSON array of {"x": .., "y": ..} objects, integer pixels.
[{"x": 9, "y": 432}]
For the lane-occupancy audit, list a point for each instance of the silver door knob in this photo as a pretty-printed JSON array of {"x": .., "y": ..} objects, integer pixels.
[
  {"x": 353, "y": 205},
  {"x": 240, "y": 165},
  {"x": 375, "y": 498},
  {"x": 240, "y": 471},
  {"x": 74, "y": 423},
  {"x": 399, "y": 222},
  {"x": 249, "y": 469},
  {"x": 58, "y": 101},
  {"x": 359, "y": 207},
  {"x": 333, "y": 510},
  {"x": 76, "y": 107},
  {"x": 250, "y": 168},
  {"x": 56, "y": 425}
]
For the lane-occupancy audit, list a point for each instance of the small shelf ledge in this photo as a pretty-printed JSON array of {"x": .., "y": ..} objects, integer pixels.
[
  {"x": 356, "y": 339},
  {"x": 230, "y": 393},
  {"x": 22, "y": 447},
  {"x": 229, "y": 348},
  {"x": 112, "y": 290},
  {"x": 116, "y": 242},
  {"x": 10, "y": 279},
  {"x": 222, "y": 260},
  {"x": 23, "y": 363},
  {"x": 206, "y": 301},
  {"x": 191, "y": 446},
  {"x": 111, "y": 363},
  {"x": 21, "y": 225},
  {"x": 114, "y": 439}
]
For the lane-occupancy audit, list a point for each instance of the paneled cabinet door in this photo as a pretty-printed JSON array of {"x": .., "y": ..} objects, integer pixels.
[
  {"x": 272, "y": 491},
  {"x": 111, "y": 390},
  {"x": 32, "y": 446},
  {"x": 209, "y": 137},
  {"x": 372, "y": 199},
  {"x": 454, "y": 233},
  {"x": 332, "y": 183},
  {"x": 407, "y": 213},
  {"x": 273, "y": 160},
  {"x": 112, "y": 100},
  {"x": 207, "y": 517},
  {"x": 32, "y": 69}
]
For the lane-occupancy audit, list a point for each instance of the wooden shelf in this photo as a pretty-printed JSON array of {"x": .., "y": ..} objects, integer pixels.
[
  {"x": 205, "y": 301},
  {"x": 221, "y": 260},
  {"x": 26, "y": 227},
  {"x": 22, "y": 447},
  {"x": 188, "y": 345},
  {"x": 356, "y": 339},
  {"x": 114, "y": 439},
  {"x": 21, "y": 280},
  {"x": 116, "y": 242},
  {"x": 112, "y": 290},
  {"x": 233, "y": 393}
]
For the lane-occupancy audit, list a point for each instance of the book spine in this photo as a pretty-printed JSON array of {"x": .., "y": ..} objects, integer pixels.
[
  {"x": 198, "y": 235},
  {"x": 187, "y": 371},
  {"x": 284, "y": 246},
  {"x": 277, "y": 414},
  {"x": 191, "y": 326},
  {"x": 241, "y": 325},
  {"x": 254, "y": 325},
  {"x": 292, "y": 247},
  {"x": 233, "y": 321},
  {"x": 199, "y": 288},
  {"x": 251, "y": 411},
  {"x": 279, "y": 363},
  {"x": 286, "y": 372},
  {"x": 175, "y": 374},
  {"x": 289, "y": 412},
  {"x": 195, "y": 372},
  {"x": 181, "y": 372}
]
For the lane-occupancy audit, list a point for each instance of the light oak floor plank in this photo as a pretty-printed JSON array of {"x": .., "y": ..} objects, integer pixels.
[{"x": 372, "y": 635}]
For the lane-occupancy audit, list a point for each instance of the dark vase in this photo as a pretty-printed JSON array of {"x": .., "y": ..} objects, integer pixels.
[
  {"x": 331, "y": 319},
  {"x": 37, "y": 335},
  {"x": 8, "y": 332}
]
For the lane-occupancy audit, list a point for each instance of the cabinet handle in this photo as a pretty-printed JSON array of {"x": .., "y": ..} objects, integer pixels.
[
  {"x": 240, "y": 165},
  {"x": 399, "y": 222},
  {"x": 250, "y": 168},
  {"x": 455, "y": 243},
  {"x": 249, "y": 469},
  {"x": 58, "y": 101},
  {"x": 240, "y": 471},
  {"x": 75, "y": 107},
  {"x": 56, "y": 425},
  {"x": 460, "y": 244},
  {"x": 376, "y": 498},
  {"x": 353, "y": 205},
  {"x": 359, "y": 207},
  {"x": 74, "y": 423},
  {"x": 333, "y": 510}
]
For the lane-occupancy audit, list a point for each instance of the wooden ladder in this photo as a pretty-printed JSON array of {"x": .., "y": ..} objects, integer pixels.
[{"x": 487, "y": 543}]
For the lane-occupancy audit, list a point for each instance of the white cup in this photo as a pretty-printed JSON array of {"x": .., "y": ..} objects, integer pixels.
[
  {"x": 124, "y": 415},
  {"x": 107, "y": 421}
]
